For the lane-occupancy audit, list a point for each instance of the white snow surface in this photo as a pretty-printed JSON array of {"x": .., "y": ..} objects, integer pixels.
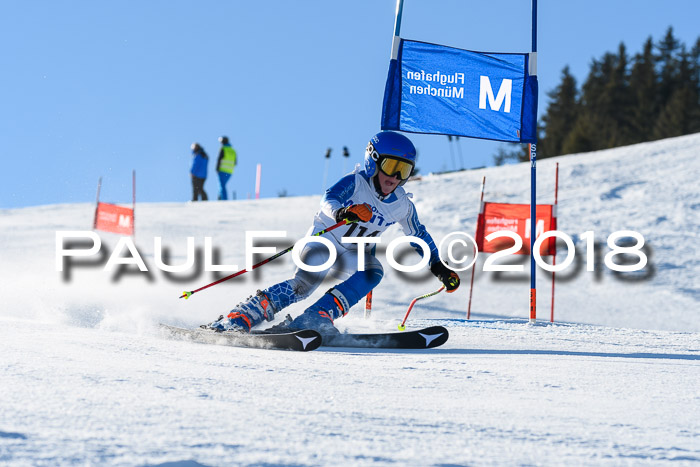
[{"x": 87, "y": 378}]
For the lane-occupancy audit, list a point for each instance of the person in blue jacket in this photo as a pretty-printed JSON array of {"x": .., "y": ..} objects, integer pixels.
[
  {"x": 200, "y": 160},
  {"x": 372, "y": 199}
]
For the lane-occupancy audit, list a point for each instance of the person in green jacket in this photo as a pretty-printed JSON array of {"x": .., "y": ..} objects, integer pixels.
[{"x": 224, "y": 167}]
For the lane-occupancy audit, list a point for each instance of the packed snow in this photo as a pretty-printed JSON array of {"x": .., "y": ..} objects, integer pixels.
[{"x": 87, "y": 378}]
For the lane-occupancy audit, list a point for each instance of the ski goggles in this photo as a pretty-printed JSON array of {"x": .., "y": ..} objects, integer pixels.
[{"x": 391, "y": 166}]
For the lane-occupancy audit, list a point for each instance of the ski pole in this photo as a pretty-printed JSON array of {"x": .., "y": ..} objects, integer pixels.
[
  {"x": 410, "y": 307},
  {"x": 187, "y": 295}
]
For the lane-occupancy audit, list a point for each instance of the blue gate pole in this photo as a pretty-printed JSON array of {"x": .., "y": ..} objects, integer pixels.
[
  {"x": 533, "y": 183},
  {"x": 397, "y": 21},
  {"x": 397, "y": 30}
]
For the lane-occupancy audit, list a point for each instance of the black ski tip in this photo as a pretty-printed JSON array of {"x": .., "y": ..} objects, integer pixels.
[
  {"x": 303, "y": 341},
  {"x": 434, "y": 336},
  {"x": 426, "y": 338},
  {"x": 308, "y": 340}
]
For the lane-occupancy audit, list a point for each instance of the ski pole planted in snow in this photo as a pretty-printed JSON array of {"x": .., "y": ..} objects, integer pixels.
[
  {"x": 187, "y": 295},
  {"x": 402, "y": 326}
]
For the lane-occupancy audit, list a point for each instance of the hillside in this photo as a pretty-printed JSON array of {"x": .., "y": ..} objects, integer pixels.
[{"x": 649, "y": 188}]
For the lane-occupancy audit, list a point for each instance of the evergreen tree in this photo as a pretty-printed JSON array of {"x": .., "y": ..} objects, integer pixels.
[
  {"x": 695, "y": 83},
  {"x": 560, "y": 117},
  {"x": 657, "y": 95},
  {"x": 668, "y": 64},
  {"x": 680, "y": 115},
  {"x": 644, "y": 94},
  {"x": 695, "y": 63},
  {"x": 594, "y": 125},
  {"x": 619, "y": 102},
  {"x": 582, "y": 137}
]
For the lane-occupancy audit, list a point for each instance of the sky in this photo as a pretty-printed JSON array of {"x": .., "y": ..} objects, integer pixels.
[{"x": 98, "y": 89}]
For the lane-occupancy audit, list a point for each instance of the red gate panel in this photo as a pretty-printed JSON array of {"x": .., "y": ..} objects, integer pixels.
[
  {"x": 516, "y": 218},
  {"x": 113, "y": 218}
]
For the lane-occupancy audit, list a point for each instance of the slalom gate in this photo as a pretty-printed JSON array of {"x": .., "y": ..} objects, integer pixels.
[
  {"x": 112, "y": 217},
  {"x": 497, "y": 217}
]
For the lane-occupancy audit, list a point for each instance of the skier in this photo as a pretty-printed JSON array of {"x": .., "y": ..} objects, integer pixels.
[
  {"x": 224, "y": 166},
  {"x": 200, "y": 160},
  {"x": 372, "y": 199}
]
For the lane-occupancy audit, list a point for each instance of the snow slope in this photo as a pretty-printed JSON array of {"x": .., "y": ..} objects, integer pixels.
[{"x": 86, "y": 377}]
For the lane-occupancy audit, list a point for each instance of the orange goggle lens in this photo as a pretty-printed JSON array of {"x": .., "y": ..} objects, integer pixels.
[{"x": 392, "y": 167}]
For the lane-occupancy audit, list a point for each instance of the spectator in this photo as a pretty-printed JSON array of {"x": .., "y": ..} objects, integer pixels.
[
  {"x": 224, "y": 167},
  {"x": 200, "y": 160}
]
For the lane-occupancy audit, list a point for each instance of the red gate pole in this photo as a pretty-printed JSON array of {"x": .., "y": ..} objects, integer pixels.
[
  {"x": 97, "y": 202},
  {"x": 368, "y": 305},
  {"x": 476, "y": 251},
  {"x": 554, "y": 259}
]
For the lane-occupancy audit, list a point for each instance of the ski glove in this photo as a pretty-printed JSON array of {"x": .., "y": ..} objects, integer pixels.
[
  {"x": 354, "y": 213},
  {"x": 447, "y": 276}
]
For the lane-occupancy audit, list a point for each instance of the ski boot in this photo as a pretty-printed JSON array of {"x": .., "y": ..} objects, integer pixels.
[
  {"x": 280, "y": 328},
  {"x": 245, "y": 315},
  {"x": 321, "y": 314}
]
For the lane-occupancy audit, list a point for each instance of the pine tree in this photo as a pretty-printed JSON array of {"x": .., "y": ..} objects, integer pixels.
[
  {"x": 680, "y": 115},
  {"x": 657, "y": 95},
  {"x": 695, "y": 63},
  {"x": 594, "y": 126},
  {"x": 668, "y": 64},
  {"x": 619, "y": 102},
  {"x": 561, "y": 115},
  {"x": 695, "y": 83},
  {"x": 582, "y": 137},
  {"x": 644, "y": 94}
]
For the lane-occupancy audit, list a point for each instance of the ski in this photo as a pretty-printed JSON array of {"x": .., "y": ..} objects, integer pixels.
[
  {"x": 303, "y": 341},
  {"x": 427, "y": 338}
]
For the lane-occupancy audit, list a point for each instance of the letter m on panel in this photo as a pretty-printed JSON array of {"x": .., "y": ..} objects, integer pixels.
[
  {"x": 124, "y": 221},
  {"x": 504, "y": 92}
]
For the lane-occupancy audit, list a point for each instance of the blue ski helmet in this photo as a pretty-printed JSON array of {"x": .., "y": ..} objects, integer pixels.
[{"x": 388, "y": 144}]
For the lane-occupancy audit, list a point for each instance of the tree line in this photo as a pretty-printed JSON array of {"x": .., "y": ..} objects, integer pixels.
[{"x": 624, "y": 100}]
